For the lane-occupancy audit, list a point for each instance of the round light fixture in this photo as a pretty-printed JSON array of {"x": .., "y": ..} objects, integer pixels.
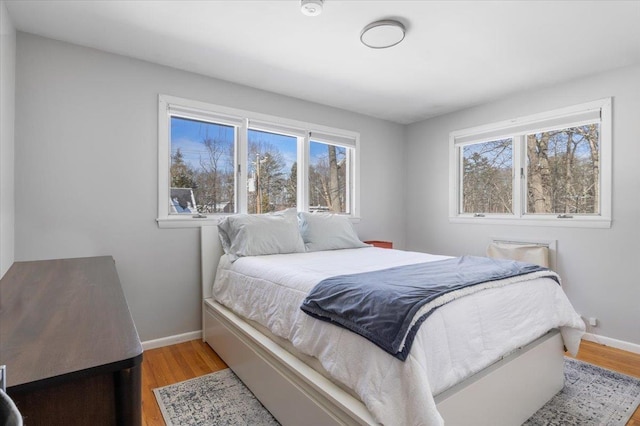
[
  {"x": 311, "y": 7},
  {"x": 382, "y": 34}
]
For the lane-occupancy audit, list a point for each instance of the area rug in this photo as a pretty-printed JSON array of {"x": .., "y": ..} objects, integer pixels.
[
  {"x": 592, "y": 396},
  {"x": 218, "y": 398}
]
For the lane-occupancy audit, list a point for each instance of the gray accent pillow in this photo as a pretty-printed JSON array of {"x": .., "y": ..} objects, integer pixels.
[
  {"x": 325, "y": 231},
  {"x": 260, "y": 234}
]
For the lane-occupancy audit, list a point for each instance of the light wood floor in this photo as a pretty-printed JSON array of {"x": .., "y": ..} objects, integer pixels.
[{"x": 175, "y": 363}]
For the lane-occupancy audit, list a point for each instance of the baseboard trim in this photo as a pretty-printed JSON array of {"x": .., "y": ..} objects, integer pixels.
[
  {"x": 194, "y": 335},
  {"x": 171, "y": 340},
  {"x": 614, "y": 343}
]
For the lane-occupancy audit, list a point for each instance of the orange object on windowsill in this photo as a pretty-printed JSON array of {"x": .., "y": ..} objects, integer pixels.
[{"x": 381, "y": 244}]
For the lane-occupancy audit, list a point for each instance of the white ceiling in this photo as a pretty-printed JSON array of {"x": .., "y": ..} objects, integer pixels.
[{"x": 455, "y": 54}]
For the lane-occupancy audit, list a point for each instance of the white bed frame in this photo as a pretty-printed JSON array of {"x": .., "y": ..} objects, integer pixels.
[{"x": 506, "y": 393}]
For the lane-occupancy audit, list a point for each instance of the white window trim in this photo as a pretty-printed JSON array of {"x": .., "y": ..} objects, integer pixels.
[
  {"x": 245, "y": 120},
  {"x": 514, "y": 128}
]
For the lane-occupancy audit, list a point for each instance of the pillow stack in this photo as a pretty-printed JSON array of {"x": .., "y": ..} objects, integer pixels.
[
  {"x": 325, "y": 231},
  {"x": 258, "y": 234},
  {"x": 285, "y": 232}
]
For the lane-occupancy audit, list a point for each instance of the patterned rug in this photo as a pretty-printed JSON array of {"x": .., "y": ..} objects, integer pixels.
[
  {"x": 218, "y": 398},
  {"x": 592, "y": 396}
]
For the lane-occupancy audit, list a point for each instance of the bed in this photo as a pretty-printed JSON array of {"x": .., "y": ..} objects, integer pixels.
[{"x": 496, "y": 364}]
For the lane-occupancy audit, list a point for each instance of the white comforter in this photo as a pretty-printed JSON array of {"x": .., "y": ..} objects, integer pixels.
[{"x": 456, "y": 341}]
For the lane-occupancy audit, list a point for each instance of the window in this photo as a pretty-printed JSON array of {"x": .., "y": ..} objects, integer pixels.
[
  {"x": 486, "y": 177},
  {"x": 215, "y": 160},
  {"x": 331, "y": 173},
  {"x": 272, "y": 183},
  {"x": 202, "y": 167},
  {"x": 552, "y": 168},
  {"x": 563, "y": 172}
]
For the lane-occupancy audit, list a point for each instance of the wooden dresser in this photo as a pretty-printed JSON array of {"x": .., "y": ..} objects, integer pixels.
[{"x": 72, "y": 352}]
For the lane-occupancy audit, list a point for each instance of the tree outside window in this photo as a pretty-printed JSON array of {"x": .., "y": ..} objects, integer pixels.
[
  {"x": 219, "y": 160},
  {"x": 553, "y": 167},
  {"x": 563, "y": 171},
  {"x": 202, "y": 161},
  {"x": 328, "y": 178}
]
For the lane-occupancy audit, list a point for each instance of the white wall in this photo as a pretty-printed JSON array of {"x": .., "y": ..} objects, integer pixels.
[
  {"x": 7, "y": 111},
  {"x": 600, "y": 267},
  {"x": 86, "y": 170}
]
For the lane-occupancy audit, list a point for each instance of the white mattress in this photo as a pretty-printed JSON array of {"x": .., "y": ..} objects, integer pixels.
[{"x": 456, "y": 341}]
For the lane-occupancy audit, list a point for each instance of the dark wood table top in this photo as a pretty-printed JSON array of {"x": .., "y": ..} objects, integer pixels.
[{"x": 64, "y": 319}]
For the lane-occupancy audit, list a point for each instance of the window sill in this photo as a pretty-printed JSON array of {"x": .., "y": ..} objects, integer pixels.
[
  {"x": 575, "y": 222},
  {"x": 188, "y": 221}
]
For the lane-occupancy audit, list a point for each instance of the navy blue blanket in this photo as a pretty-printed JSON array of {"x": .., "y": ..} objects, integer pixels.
[{"x": 381, "y": 305}]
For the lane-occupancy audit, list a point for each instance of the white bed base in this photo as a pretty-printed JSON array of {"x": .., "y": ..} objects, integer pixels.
[{"x": 506, "y": 393}]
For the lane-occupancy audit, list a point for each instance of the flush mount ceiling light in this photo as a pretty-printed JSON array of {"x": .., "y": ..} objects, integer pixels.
[
  {"x": 311, "y": 7},
  {"x": 382, "y": 34}
]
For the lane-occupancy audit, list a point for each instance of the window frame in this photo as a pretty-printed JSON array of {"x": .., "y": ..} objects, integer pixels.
[
  {"x": 243, "y": 120},
  {"x": 517, "y": 129},
  {"x": 351, "y": 155}
]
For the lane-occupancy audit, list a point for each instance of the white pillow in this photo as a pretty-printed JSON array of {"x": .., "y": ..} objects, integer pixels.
[
  {"x": 325, "y": 231},
  {"x": 260, "y": 234}
]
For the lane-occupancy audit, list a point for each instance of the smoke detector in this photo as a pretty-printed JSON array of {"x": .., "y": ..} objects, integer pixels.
[{"x": 311, "y": 7}]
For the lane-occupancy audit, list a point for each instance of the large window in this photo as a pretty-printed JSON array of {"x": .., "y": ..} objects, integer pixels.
[
  {"x": 215, "y": 160},
  {"x": 552, "y": 168}
]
